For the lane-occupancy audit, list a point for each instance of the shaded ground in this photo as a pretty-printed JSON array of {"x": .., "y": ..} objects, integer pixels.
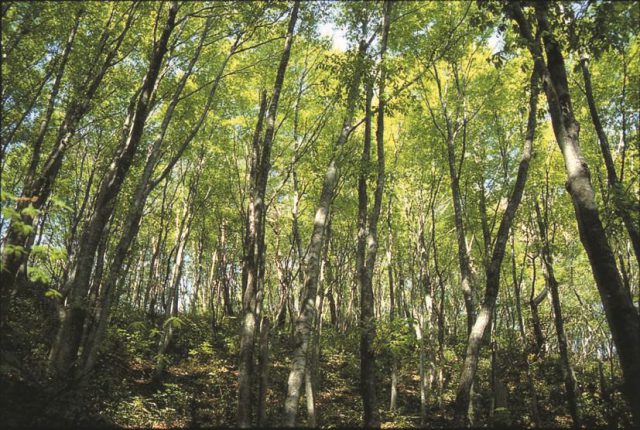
[
  {"x": 198, "y": 390},
  {"x": 199, "y": 386}
]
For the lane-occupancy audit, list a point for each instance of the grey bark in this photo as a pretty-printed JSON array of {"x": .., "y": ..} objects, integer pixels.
[
  {"x": 463, "y": 394},
  {"x": 622, "y": 317},
  {"x": 253, "y": 276},
  {"x": 364, "y": 273},
  {"x": 304, "y": 321},
  {"x": 517, "y": 282},
  {"x": 182, "y": 236},
  {"x": 614, "y": 182},
  {"x": 368, "y": 236},
  {"x": 449, "y": 134},
  {"x": 534, "y": 301},
  {"x": 146, "y": 184},
  {"x": 570, "y": 385},
  {"x": 64, "y": 350},
  {"x": 393, "y": 401},
  {"x": 38, "y": 188},
  {"x": 263, "y": 371},
  {"x": 13, "y": 261}
]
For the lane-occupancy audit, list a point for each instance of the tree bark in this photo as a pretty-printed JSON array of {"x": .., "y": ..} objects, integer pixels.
[
  {"x": 367, "y": 327},
  {"x": 464, "y": 259},
  {"x": 14, "y": 260},
  {"x": 368, "y": 238},
  {"x": 463, "y": 253},
  {"x": 253, "y": 276},
  {"x": 612, "y": 177},
  {"x": 517, "y": 282},
  {"x": 263, "y": 371},
  {"x": 182, "y": 236},
  {"x": 393, "y": 401},
  {"x": 145, "y": 185},
  {"x": 622, "y": 317},
  {"x": 64, "y": 350},
  {"x": 37, "y": 189},
  {"x": 304, "y": 321},
  {"x": 463, "y": 394},
  {"x": 570, "y": 385},
  {"x": 534, "y": 301}
]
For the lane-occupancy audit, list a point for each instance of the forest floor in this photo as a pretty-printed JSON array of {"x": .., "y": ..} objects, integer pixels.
[{"x": 198, "y": 388}]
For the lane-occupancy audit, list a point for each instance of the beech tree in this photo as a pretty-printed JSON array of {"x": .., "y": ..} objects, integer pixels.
[{"x": 395, "y": 214}]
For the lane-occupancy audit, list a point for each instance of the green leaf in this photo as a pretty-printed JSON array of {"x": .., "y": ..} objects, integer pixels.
[
  {"x": 38, "y": 274},
  {"x": 14, "y": 249},
  {"x": 54, "y": 294},
  {"x": 30, "y": 211},
  {"x": 5, "y": 195},
  {"x": 23, "y": 227},
  {"x": 58, "y": 203},
  {"x": 174, "y": 322},
  {"x": 9, "y": 212}
]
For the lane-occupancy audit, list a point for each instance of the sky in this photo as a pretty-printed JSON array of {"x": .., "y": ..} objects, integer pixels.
[
  {"x": 339, "y": 41},
  {"x": 337, "y": 36}
]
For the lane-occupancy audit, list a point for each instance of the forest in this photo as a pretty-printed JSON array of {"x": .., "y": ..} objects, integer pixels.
[{"x": 374, "y": 214}]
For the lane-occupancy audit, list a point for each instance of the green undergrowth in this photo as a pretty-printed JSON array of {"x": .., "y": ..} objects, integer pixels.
[{"x": 199, "y": 385}]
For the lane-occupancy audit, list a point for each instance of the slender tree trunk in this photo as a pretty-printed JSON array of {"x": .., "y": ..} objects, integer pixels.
[
  {"x": 463, "y": 396},
  {"x": 64, "y": 350},
  {"x": 368, "y": 237},
  {"x": 224, "y": 279},
  {"x": 464, "y": 259},
  {"x": 622, "y": 317},
  {"x": 612, "y": 177},
  {"x": 174, "y": 285},
  {"x": 570, "y": 385},
  {"x": 463, "y": 256},
  {"x": 254, "y": 236},
  {"x": 309, "y": 392},
  {"x": 367, "y": 328},
  {"x": 14, "y": 263},
  {"x": 534, "y": 302},
  {"x": 38, "y": 187},
  {"x": 393, "y": 402},
  {"x": 422, "y": 369},
  {"x": 263, "y": 371},
  {"x": 304, "y": 322},
  {"x": 146, "y": 184},
  {"x": 517, "y": 282},
  {"x": 312, "y": 370}
]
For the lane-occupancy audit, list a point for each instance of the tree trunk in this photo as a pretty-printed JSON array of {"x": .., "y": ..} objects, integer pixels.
[
  {"x": 367, "y": 327},
  {"x": 422, "y": 369},
  {"x": 253, "y": 276},
  {"x": 38, "y": 186},
  {"x": 304, "y": 322},
  {"x": 144, "y": 187},
  {"x": 369, "y": 232},
  {"x": 612, "y": 177},
  {"x": 463, "y": 394},
  {"x": 393, "y": 402},
  {"x": 64, "y": 350},
  {"x": 263, "y": 371},
  {"x": 517, "y": 282},
  {"x": 464, "y": 258},
  {"x": 174, "y": 284},
  {"x": 534, "y": 302},
  {"x": 621, "y": 314},
  {"x": 570, "y": 385}
]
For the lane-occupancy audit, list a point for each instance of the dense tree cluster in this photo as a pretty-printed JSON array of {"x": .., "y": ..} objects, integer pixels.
[{"x": 447, "y": 191}]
